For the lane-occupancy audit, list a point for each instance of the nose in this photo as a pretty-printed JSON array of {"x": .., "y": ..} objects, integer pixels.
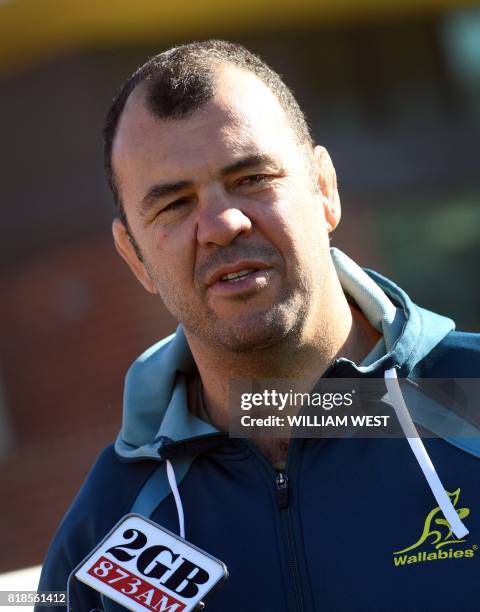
[{"x": 221, "y": 219}]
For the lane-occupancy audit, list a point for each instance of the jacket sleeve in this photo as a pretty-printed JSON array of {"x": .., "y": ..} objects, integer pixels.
[
  {"x": 105, "y": 496},
  {"x": 65, "y": 553},
  {"x": 84, "y": 525}
]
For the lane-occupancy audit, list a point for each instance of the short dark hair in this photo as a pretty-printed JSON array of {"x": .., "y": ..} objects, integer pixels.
[{"x": 181, "y": 80}]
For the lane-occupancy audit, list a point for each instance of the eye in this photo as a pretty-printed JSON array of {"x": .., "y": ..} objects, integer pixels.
[
  {"x": 254, "y": 179},
  {"x": 175, "y": 204}
]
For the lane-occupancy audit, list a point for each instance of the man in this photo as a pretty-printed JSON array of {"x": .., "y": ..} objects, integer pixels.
[{"x": 226, "y": 207}]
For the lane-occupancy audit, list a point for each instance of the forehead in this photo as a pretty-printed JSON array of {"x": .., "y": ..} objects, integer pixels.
[{"x": 244, "y": 116}]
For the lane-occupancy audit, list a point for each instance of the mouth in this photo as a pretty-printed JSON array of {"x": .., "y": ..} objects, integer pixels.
[
  {"x": 243, "y": 276},
  {"x": 234, "y": 277},
  {"x": 235, "y": 272}
]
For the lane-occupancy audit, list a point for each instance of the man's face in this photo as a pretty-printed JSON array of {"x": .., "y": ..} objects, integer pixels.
[{"x": 227, "y": 214}]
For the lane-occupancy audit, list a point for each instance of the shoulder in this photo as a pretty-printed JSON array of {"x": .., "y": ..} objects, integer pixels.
[
  {"x": 456, "y": 356},
  {"x": 106, "y": 495}
]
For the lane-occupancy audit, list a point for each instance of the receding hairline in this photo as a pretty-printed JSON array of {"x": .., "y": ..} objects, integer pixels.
[
  {"x": 139, "y": 96},
  {"x": 181, "y": 82},
  {"x": 141, "y": 92}
]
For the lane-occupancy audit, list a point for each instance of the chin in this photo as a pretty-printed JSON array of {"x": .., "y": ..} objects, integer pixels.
[
  {"x": 242, "y": 342},
  {"x": 254, "y": 331}
]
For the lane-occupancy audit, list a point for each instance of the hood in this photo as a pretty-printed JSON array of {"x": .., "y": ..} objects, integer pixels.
[{"x": 155, "y": 399}]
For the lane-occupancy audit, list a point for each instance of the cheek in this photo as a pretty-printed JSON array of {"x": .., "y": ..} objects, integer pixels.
[
  {"x": 297, "y": 223},
  {"x": 171, "y": 257}
]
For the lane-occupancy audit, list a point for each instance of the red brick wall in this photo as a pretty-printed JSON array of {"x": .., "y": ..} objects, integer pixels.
[{"x": 73, "y": 320}]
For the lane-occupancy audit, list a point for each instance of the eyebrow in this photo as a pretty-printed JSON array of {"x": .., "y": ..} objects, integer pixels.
[
  {"x": 256, "y": 159},
  {"x": 163, "y": 190}
]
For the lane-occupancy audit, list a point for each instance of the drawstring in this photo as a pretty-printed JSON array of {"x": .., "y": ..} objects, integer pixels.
[
  {"x": 421, "y": 454},
  {"x": 178, "y": 502},
  {"x": 415, "y": 443}
]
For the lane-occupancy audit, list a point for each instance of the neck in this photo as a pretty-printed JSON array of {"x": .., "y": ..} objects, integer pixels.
[{"x": 342, "y": 331}]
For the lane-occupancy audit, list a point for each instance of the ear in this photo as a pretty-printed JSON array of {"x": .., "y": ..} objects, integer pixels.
[
  {"x": 327, "y": 182},
  {"x": 127, "y": 251}
]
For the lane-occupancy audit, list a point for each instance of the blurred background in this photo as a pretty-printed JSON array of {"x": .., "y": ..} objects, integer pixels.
[{"x": 391, "y": 88}]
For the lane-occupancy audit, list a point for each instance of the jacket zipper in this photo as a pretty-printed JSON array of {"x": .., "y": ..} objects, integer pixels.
[
  {"x": 281, "y": 483},
  {"x": 282, "y": 491}
]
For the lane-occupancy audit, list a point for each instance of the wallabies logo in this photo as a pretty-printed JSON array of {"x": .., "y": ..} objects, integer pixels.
[{"x": 436, "y": 534}]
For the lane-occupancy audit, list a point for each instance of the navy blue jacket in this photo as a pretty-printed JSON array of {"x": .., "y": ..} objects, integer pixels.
[{"x": 358, "y": 528}]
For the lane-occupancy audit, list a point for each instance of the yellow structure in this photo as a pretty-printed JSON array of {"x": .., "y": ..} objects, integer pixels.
[{"x": 31, "y": 30}]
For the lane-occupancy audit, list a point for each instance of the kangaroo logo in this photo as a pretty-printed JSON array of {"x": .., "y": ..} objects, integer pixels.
[{"x": 437, "y": 530}]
